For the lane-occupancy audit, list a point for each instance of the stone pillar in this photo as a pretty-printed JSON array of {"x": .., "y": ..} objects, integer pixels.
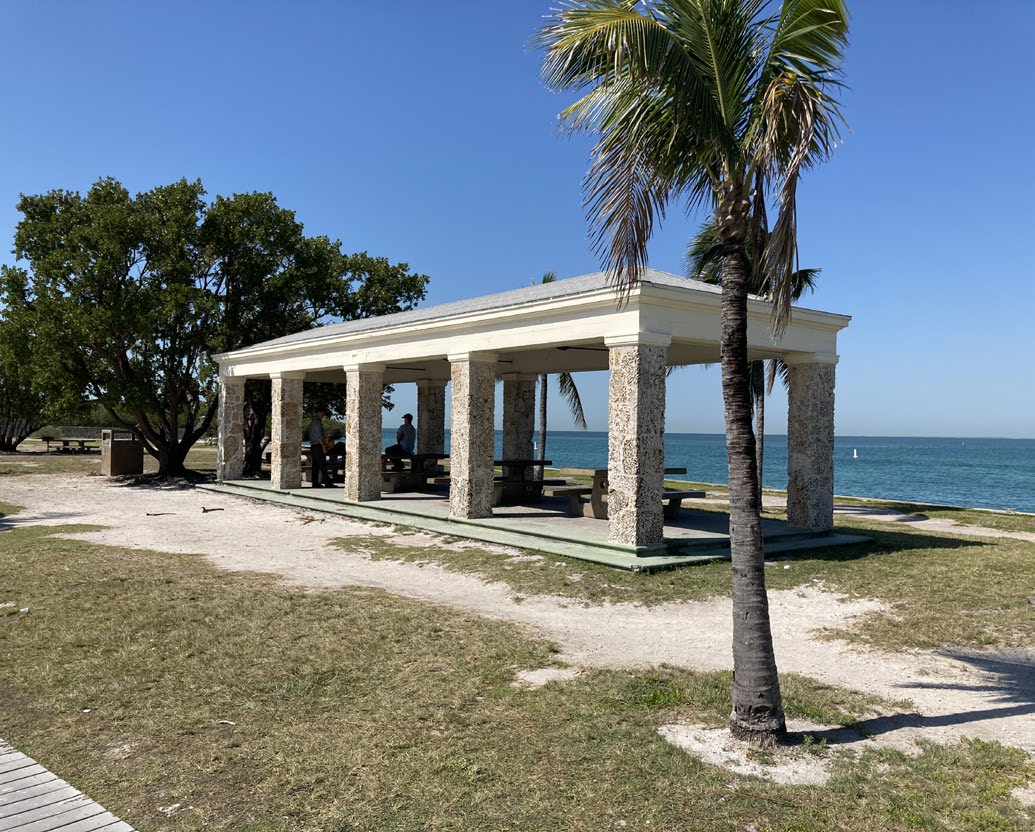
[
  {"x": 518, "y": 416},
  {"x": 286, "y": 444},
  {"x": 364, "y": 385},
  {"x": 635, "y": 448},
  {"x": 471, "y": 443},
  {"x": 431, "y": 416},
  {"x": 230, "y": 451},
  {"x": 810, "y": 443}
]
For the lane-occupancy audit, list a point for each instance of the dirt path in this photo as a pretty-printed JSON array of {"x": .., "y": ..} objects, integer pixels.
[{"x": 991, "y": 696}]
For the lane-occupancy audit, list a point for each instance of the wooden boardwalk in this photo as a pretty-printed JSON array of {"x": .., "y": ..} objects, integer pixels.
[{"x": 34, "y": 800}]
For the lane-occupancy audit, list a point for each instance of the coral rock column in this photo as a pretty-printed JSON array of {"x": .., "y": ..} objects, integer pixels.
[
  {"x": 431, "y": 416},
  {"x": 518, "y": 416},
  {"x": 363, "y": 388},
  {"x": 810, "y": 443},
  {"x": 286, "y": 441},
  {"x": 471, "y": 437},
  {"x": 230, "y": 451},
  {"x": 635, "y": 448}
]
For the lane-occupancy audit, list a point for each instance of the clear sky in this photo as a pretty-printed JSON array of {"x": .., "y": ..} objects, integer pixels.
[{"x": 419, "y": 131}]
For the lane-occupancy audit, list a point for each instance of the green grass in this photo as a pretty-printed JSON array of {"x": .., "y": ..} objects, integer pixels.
[
  {"x": 1003, "y": 520},
  {"x": 32, "y": 458},
  {"x": 940, "y": 589},
  {"x": 149, "y": 680}
]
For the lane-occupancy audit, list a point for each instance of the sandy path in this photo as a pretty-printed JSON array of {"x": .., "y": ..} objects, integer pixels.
[{"x": 991, "y": 696}]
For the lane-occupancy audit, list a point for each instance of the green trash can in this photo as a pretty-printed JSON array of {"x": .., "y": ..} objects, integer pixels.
[{"x": 121, "y": 453}]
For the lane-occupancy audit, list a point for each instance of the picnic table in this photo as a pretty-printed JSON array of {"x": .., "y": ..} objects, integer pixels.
[
  {"x": 67, "y": 445},
  {"x": 411, "y": 472},
  {"x": 597, "y": 493},
  {"x": 518, "y": 483}
]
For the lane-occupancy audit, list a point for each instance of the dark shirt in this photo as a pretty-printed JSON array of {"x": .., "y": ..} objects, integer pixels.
[
  {"x": 406, "y": 436},
  {"x": 316, "y": 432}
]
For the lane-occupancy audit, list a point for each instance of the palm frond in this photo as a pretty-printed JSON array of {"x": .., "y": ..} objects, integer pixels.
[
  {"x": 703, "y": 256},
  {"x": 795, "y": 122},
  {"x": 654, "y": 106},
  {"x": 571, "y": 395}
]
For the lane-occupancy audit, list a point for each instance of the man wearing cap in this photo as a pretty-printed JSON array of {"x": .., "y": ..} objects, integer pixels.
[{"x": 405, "y": 439}]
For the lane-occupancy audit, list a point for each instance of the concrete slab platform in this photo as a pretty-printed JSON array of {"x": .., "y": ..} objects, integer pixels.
[{"x": 695, "y": 537}]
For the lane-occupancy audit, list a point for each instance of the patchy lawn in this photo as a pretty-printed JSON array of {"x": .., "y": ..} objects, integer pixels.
[{"x": 186, "y": 698}]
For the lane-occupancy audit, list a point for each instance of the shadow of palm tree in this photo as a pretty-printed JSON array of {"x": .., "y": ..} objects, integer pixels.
[
  {"x": 48, "y": 518},
  {"x": 884, "y": 542},
  {"x": 1007, "y": 675}
]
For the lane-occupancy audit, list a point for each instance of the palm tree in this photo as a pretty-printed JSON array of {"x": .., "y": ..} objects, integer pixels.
[
  {"x": 704, "y": 262},
  {"x": 569, "y": 392},
  {"x": 725, "y": 102}
]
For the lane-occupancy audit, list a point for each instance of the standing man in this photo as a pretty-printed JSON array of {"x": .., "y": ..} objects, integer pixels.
[
  {"x": 321, "y": 479},
  {"x": 405, "y": 439}
]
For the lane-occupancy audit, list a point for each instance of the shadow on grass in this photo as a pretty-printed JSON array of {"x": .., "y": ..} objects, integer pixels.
[
  {"x": 1009, "y": 675},
  {"x": 881, "y": 543},
  {"x": 45, "y": 518},
  {"x": 890, "y": 723},
  {"x": 190, "y": 479}
]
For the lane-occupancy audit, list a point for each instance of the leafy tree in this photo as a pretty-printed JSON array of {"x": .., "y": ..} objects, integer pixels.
[
  {"x": 704, "y": 262},
  {"x": 723, "y": 102},
  {"x": 23, "y": 408},
  {"x": 276, "y": 281},
  {"x": 569, "y": 392},
  {"x": 130, "y": 297}
]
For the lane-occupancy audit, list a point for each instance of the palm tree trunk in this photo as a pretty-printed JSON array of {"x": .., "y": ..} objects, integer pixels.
[
  {"x": 540, "y": 471},
  {"x": 758, "y": 393},
  {"x": 757, "y": 709}
]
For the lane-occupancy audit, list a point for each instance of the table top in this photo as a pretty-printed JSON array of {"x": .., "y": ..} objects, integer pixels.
[
  {"x": 602, "y": 472},
  {"x": 522, "y": 463}
]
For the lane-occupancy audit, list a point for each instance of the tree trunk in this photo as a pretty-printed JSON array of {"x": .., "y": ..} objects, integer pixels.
[
  {"x": 258, "y": 406},
  {"x": 757, "y": 709},
  {"x": 758, "y": 393},
  {"x": 543, "y": 378}
]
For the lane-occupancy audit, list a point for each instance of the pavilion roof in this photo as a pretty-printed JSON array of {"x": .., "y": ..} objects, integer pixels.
[{"x": 567, "y": 288}]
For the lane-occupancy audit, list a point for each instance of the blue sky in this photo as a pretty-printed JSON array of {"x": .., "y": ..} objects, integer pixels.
[{"x": 420, "y": 132}]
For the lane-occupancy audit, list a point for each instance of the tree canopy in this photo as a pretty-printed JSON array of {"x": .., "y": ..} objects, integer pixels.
[
  {"x": 23, "y": 408},
  {"x": 129, "y": 298}
]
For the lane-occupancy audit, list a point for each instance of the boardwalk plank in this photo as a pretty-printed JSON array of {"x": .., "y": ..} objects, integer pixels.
[
  {"x": 15, "y": 763},
  {"x": 98, "y": 823},
  {"x": 10, "y": 781},
  {"x": 24, "y": 800},
  {"x": 38, "y": 802},
  {"x": 79, "y": 808},
  {"x": 33, "y": 799},
  {"x": 30, "y": 782}
]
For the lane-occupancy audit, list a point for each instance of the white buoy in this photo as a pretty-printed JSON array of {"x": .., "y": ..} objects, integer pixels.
[{"x": 855, "y": 453}]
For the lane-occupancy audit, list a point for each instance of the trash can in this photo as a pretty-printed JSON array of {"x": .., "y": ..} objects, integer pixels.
[{"x": 121, "y": 453}]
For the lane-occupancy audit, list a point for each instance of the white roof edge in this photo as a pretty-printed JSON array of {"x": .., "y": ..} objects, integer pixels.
[{"x": 590, "y": 287}]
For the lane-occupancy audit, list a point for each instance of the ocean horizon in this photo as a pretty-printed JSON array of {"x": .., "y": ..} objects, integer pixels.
[{"x": 968, "y": 472}]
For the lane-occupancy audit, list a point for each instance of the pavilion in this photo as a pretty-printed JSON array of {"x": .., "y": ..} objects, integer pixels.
[{"x": 567, "y": 326}]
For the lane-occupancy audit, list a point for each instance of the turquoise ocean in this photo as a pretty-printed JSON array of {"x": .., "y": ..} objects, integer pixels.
[{"x": 970, "y": 472}]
